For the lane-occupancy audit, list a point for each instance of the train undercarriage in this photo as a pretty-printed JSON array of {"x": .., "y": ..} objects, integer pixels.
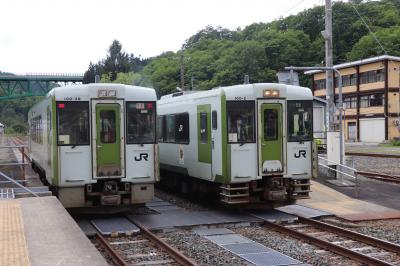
[{"x": 271, "y": 191}]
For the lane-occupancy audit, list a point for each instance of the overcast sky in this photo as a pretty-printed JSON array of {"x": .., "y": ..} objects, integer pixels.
[{"x": 65, "y": 35}]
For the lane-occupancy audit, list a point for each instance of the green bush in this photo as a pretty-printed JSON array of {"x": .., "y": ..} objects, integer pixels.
[{"x": 395, "y": 142}]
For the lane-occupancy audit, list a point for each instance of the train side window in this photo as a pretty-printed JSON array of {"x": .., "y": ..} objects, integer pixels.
[
  {"x": 170, "y": 128},
  {"x": 108, "y": 130},
  {"x": 203, "y": 128},
  {"x": 141, "y": 122},
  {"x": 73, "y": 123},
  {"x": 214, "y": 120},
  {"x": 270, "y": 124},
  {"x": 160, "y": 128},
  {"x": 182, "y": 128},
  {"x": 240, "y": 121}
]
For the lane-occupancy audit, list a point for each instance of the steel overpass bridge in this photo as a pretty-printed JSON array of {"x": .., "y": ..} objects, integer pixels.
[{"x": 34, "y": 84}]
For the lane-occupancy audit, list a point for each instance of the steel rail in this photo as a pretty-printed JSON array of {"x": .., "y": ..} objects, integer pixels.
[
  {"x": 379, "y": 155},
  {"x": 383, "y": 177},
  {"x": 379, "y": 243},
  {"x": 173, "y": 252},
  {"x": 327, "y": 245},
  {"x": 116, "y": 258}
]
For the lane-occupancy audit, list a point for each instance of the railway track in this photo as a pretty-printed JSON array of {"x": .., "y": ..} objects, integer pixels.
[
  {"x": 358, "y": 247},
  {"x": 380, "y": 176},
  {"x": 377, "y": 155},
  {"x": 144, "y": 248}
]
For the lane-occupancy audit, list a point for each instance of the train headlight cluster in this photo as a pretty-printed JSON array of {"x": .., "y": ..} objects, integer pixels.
[{"x": 271, "y": 93}]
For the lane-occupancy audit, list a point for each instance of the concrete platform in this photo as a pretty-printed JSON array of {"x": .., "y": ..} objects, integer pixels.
[
  {"x": 329, "y": 200},
  {"x": 39, "y": 231}
]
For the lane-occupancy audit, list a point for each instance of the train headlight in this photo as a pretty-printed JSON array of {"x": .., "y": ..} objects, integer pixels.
[{"x": 271, "y": 93}]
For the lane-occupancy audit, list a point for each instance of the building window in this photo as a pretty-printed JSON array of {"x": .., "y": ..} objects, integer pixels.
[
  {"x": 372, "y": 100},
  {"x": 349, "y": 102},
  {"x": 319, "y": 84},
  {"x": 347, "y": 80},
  {"x": 376, "y": 99},
  {"x": 372, "y": 76}
]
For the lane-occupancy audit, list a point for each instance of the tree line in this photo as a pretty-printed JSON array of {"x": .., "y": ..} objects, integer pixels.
[{"x": 216, "y": 56}]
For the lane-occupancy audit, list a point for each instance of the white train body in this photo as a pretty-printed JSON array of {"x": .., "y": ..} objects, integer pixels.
[
  {"x": 95, "y": 144},
  {"x": 253, "y": 141}
]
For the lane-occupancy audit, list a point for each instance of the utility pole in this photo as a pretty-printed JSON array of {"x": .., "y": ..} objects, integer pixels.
[
  {"x": 182, "y": 71},
  {"x": 329, "y": 64}
]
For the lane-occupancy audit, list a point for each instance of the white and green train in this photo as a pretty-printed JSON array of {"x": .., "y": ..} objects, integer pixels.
[
  {"x": 249, "y": 144},
  {"x": 95, "y": 144}
]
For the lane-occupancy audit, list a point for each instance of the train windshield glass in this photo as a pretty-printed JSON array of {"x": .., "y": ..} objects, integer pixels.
[
  {"x": 299, "y": 120},
  {"x": 141, "y": 122},
  {"x": 240, "y": 121},
  {"x": 73, "y": 123}
]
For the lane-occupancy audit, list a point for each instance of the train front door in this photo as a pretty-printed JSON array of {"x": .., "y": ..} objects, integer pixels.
[
  {"x": 270, "y": 136},
  {"x": 108, "y": 157}
]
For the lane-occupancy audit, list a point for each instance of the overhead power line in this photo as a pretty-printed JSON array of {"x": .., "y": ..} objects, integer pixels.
[{"x": 369, "y": 29}]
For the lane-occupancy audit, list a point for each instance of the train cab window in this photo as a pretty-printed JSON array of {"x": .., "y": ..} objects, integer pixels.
[
  {"x": 108, "y": 126},
  {"x": 203, "y": 128},
  {"x": 182, "y": 128},
  {"x": 270, "y": 124},
  {"x": 214, "y": 120},
  {"x": 240, "y": 121},
  {"x": 300, "y": 120},
  {"x": 73, "y": 123},
  {"x": 141, "y": 121},
  {"x": 170, "y": 128}
]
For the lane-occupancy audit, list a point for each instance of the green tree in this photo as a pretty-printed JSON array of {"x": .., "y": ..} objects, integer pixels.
[{"x": 368, "y": 47}]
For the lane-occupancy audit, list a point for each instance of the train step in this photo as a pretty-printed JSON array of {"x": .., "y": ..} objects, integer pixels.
[{"x": 234, "y": 193}]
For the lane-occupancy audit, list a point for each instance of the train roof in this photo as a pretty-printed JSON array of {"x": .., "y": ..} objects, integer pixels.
[
  {"x": 252, "y": 91},
  {"x": 87, "y": 91}
]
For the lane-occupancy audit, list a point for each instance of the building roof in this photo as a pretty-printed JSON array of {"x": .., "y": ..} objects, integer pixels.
[
  {"x": 318, "y": 99},
  {"x": 359, "y": 62}
]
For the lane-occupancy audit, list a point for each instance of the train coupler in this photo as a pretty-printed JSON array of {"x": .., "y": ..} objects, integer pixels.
[
  {"x": 299, "y": 188},
  {"x": 235, "y": 193}
]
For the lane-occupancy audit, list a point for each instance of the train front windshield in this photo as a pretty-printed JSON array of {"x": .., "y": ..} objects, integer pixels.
[
  {"x": 240, "y": 121},
  {"x": 73, "y": 123},
  {"x": 300, "y": 120},
  {"x": 141, "y": 122}
]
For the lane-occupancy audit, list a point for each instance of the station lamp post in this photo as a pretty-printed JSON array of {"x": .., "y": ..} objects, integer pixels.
[{"x": 341, "y": 148}]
